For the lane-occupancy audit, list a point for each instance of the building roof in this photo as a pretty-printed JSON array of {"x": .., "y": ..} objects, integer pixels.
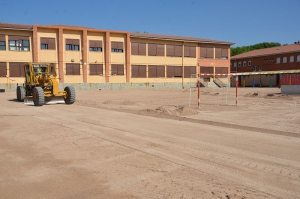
[
  {"x": 177, "y": 38},
  {"x": 269, "y": 51},
  {"x": 132, "y": 34},
  {"x": 15, "y": 26}
]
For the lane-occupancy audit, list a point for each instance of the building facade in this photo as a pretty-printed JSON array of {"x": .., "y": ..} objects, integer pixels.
[
  {"x": 91, "y": 58},
  {"x": 267, "y": 67}
]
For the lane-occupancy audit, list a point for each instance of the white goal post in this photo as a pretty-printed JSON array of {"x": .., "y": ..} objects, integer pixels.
[{"x": 195, "y": 85}]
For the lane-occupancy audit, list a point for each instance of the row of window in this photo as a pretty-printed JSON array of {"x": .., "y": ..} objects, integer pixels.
[
  {"x": 16, "y": 69},
  {"x": 284, "y": 59},
  {"x": 208, "y": 52},
  {"x": 21, "y": 43},
  {"x": 159, "y": 50},
  {"x": 278, "y": 61},
  {"x": 16, "y": 43},
  {"x": 137, "y": 71}
]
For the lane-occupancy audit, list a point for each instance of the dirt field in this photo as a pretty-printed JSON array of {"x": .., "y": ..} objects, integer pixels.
[{"x": 152, "y": 144}]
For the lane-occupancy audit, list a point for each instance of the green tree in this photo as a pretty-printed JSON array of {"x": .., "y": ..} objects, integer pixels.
[{"x": 243, "y": 49}]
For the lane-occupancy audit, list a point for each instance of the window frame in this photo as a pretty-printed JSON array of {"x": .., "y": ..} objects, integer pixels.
[
  {"x": 71, "y": 69},
  {"x": 174, "y": 71},
  {"x": 154, "y": 71},
  {"x": 189, "y": 70},
  {"x": 278, "y": 60},
  {"x": 19, "y": 43},
  {"x": 155, "y": 49},
  {"x": 48, "y": 43},
  {"x": 206, "y": 52},
  {"x": 119, "y": 68},
  {"x": 72, "y": 45},
  {"x": 138, "y": 71},
  {"x": 3, "y": 69},
  {"x": 190, "y": 51},
  {"x": 98, "y": 69},
  {"x": 117, "y": 47},
  {"x": 2, "y": 45},
  {"x": 284, "y": 59},
  {"x": 95, "y": 46},
  {"x": 138, "y": 48}
]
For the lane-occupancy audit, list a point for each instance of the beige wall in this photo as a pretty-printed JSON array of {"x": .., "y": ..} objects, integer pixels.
[{"x": 99, "y": 57}]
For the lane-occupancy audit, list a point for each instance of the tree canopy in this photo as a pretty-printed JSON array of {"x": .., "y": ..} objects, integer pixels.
[{"x": 242, "y": 49}]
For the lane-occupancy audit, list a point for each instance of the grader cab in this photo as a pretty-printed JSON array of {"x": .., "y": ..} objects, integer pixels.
[{"x": 41, "y": 86}]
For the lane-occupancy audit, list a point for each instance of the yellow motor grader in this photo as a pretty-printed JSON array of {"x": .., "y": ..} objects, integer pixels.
[{"x": 41, "y": 86}]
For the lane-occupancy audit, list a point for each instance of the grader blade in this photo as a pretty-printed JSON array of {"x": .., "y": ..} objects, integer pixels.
[
  {"x": 54, "y": 100},
  {"x": 48, "y": 100}
]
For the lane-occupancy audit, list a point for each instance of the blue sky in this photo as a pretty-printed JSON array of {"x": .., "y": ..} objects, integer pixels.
[{"x": 244, "y": 22}]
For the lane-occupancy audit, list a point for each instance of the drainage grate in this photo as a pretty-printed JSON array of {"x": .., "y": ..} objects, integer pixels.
[{"x": 2, "y": 90}]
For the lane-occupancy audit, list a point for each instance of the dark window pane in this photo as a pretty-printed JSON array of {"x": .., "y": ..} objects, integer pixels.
[
  {"x": 2, "y": 69},
  {"x": 44, "y": 46},
  {"x": 134, "y": 48}
]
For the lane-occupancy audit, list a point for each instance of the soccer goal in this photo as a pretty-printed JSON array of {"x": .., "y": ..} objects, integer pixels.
[{"x": 216, "y": 90}]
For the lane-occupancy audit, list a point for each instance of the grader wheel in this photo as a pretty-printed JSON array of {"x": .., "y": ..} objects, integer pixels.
[
  {"x": 21, "y": 92},
  {"x": 70, "y": 97},
  {"x": 38, "y": 96}
]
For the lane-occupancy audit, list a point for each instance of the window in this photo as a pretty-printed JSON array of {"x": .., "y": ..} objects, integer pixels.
[
  {"x": 291, "y": 58},
  {"x": 72, "y": 69},
  {"x": 156, "y": 71},
  {"x": 206, "y": 69},
  {"x": 249, "y": 63},
  {"x": 47, "y": 43},
  {"x": 2, "y": 42},
  {"x": 221, "y": 53},
  {"x": 19, "y": 43},
  {"x": 206, "y": 52},
  {"x": 174, "y": 51},
  {"x": 138, "y": 71},
  {"x": 298, "y": 58},
  {"x": 72, "y": 44},
  {"x": 284, "y": 59},
  {"x": 234, "y": 64},
  {"x": 239, "y": 64},
  {"x": 189, "y": 70},
  {"x": 221, "y": 70},
  {"x": 260, "y": 68},
  {"x": 254, "y": 68},
  {"x": 2, "y": 69},
  {"x": 277, "y": 60},
  {"x": 16, "y": 69},
  {"x": 96, "y": 69},
  {"x": 244, "y": 63},
  {"x": 117, "y": 69},
  {"x": 117, "y": 47},
  {"x": 138, "y": 48},
  {"x": 174, "y": 71},
  {"x": 189, "y": 51},
  {"x": 95, "y": 45},
  {"x": 156, "y": 49}
]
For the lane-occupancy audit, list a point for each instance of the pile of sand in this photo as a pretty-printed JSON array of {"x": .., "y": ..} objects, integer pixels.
[
  {"x": 169, "y": 110},
  {"x": 115, "y": 102}
]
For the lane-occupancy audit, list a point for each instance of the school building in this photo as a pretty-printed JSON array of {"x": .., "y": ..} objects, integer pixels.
[
  {"x": 269, "y": 67},
  {"x": 89, "y": 58}
]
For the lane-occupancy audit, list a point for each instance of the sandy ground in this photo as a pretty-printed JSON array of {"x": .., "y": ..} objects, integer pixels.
[{"x": 153, "y": 144}]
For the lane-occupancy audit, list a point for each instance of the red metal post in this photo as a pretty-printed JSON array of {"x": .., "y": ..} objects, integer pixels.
[
  {"x": 236, "y": 86},
  {"x": 198, "y": 84}
]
